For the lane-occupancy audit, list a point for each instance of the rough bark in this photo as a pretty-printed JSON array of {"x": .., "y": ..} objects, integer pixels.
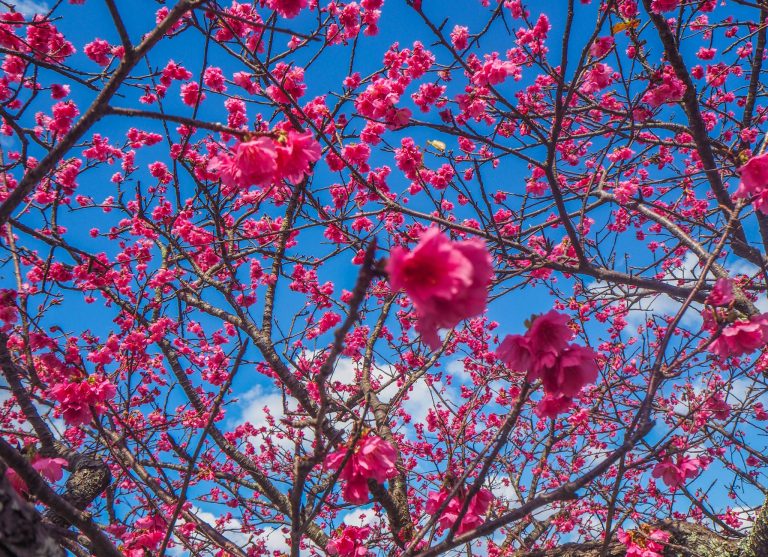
[
  {"x": 688, "y": 540},
  {"x": 22, "y": 532},
  {"x": 88, "y": 478}
]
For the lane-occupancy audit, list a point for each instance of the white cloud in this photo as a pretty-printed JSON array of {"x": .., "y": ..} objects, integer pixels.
[
  {"x": 274, "y": 539},
  {"x": 360, "y": 518},
  {"x": 28, "y": 8},
  {"x": 258, "y": 404}
]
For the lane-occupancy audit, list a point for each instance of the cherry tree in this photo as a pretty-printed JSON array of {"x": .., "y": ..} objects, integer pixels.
[{"x": 413, "y": 278}]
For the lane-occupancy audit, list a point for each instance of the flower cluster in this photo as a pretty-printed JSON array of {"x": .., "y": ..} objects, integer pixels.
[
  {"x": 349, "y": 542},
  {"x": 78, "y": 398},
  {"x": 262, "y": 160},
  {"x": 473, "y": 518},
  {"x": 754, "y": 182},
  {"x": 49, "y": 468},
  {"x": 743, "y": 336},
  {"x": 644, "y": 542},
  {"x": 446, "y": 281},
  {"x": 545, "y": 353},
  {"x": 371, "y": 458},
  {"x": 675, "y": 474}
]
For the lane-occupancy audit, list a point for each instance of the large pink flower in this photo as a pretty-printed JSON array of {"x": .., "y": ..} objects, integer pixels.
[
  {"x": 548, "y": 336},
  {"x": 252, "y": 163},
  {"x": 544, "y": 353},
  {"x": 575, "y": 368},
  {"x": 722, "y": 292},
  {"x": 447, "y": 281},
  {"x": 78, "y": 398},
  {"x": 372, "y": 458},
  {"x": 676, "y": 474},
  {"x": 742, "y": 337},
  {"x": 295, "y": 152},
  {"x": 539, "y": 348},
  {"x": 474, "y": 516},
  {"x": 49, "y": 468},
  {"x": 552, "y": 405},
  {"x": 349, "y": 542},
  {"x": 754, "y": 177}
]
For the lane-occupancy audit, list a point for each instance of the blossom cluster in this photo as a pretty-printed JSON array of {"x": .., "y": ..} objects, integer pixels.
[
  {"x": 371, "y": 458},
  {"x": 262, "y": 160},
  {"x": 473, "y": 517},
  {"x": 446, "y": 281},
  {"x": 545, "y": 353},
  {"x": 754, "y": 182}
]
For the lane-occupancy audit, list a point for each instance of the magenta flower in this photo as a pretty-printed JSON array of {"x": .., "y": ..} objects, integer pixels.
[
  {"x": 575, "y": 368},
  {"x": 552, "y": 405},
  {"x": 295, "y": 153},
  {"x": 78, "y": 398},
  {"x": 640, "y": 544},
  {"x": 49, "y": 468},
  {"x": 474, "y": 516},
  {"x": 446, "y": 281},
  {"x": 722, "y": 292},
  {"x": 676, "y": 474},
  {"x": 349, "y": 542},
  {"x": 544, "y": 353},
  {"x": 372, "y": 458},
  {"x": 741, "y": 337},
  {"x": 253, "y": 163},
  {"x": 754, "y": 176},
  {"x": 659, "y": 6}
]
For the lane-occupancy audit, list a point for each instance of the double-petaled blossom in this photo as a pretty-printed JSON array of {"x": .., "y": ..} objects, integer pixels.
[
  {"x": 722, "y": 293},
  {"x": 446, "y": 281},
  {"x": 659, "y": 6},
  {"x": 78, "y": 399},
  {"x": 644, "y": 544},
  {"x": 754, "y": 182},
  {"x": 675, "y": 474},
  {"x": 295, "y": 153},
  {"x": 252, "y": 163},
  {"x": 741, "y": 337},
  {"x": 667, "y": 88},
  {"x": 349, "y": 541},
  {"x": 371, "y": 458},
  {"x": 49, "y": 468},
  {"x": 545, "y": 353},
  {"x": 474, "y": 516},
  {"x": 263, "y": 160}
]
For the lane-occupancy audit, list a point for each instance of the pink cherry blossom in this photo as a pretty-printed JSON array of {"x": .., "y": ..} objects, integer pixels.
[
  {"x": 79, "y": 399},
  {"x": 253, "y": 163},
  {"x": 602, "y": 46},
  {"x": 722, "y": 292},
  {"x": 741, "y": 337},
  {"x": 574, "y": 368},
  {"x": 287, "y": 8},
  {"x": 474, "y": 516},
  {"x": 372, "y": 458},
  {"x": 754, "y": 177},
  {"x": 659, "y": 6},
  {"x": 640, "y": 543},
  {"x": 49, "y": 468},
  {"x": 677, "y": 473},
  {"x": 295, "y": 152},
  {"x": 544, "y": 353},
  {"x": 552, "y": 405},
  {"x": 349, "y": 541},
  {"x": 446, "y": 281}
]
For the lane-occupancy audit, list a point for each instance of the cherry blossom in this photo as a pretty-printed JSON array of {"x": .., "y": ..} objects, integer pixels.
[
  {"x": 446, "y": 281},
  {"x": 370, "y": 458}
]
